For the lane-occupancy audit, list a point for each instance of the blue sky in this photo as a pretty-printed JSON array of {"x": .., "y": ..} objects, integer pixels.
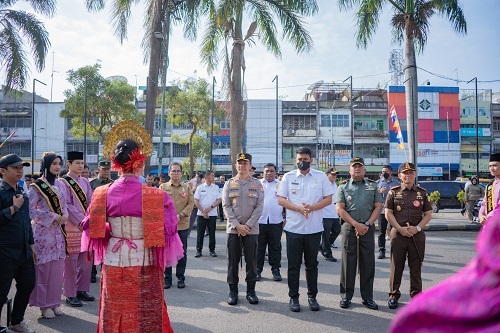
[{"x": 79, "y": 38}]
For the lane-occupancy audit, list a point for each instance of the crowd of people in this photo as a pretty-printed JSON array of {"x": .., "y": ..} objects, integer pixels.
[{"x": 57, "y": 229}]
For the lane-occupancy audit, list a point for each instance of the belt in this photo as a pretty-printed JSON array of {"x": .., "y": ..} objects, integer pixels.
[{"x": 129, "y": 241}]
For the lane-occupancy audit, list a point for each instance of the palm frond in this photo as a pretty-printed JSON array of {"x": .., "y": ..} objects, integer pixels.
[
  {"x": 453, "y": 11},
  {"x": 12, "y": 56},
  {"x": 120, "y": 15},
  {"x": 367, "y": 18},
  {"x": 214, "y": 34},
  {"x": 94, "y": 5},
  {"x": 44, "y": 7}
]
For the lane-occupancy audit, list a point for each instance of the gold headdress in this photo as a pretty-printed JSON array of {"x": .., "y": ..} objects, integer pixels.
[{"x": 127, "y": 129}]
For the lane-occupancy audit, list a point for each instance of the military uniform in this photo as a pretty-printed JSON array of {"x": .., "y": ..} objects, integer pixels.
[
  {"x": 243, "y": 202},
  {"x": 408, "y": 206},
  {"x": 359, "y": 198},
  {"x": 96, "y": 182}
]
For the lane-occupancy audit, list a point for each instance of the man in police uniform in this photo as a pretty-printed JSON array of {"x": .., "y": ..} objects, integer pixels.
[
  {"x": 408, "y": 210},
  {"x": 243, "y": 202},
  {"x": 102, "y": 178},
  {"x": 359, "y": 204}
]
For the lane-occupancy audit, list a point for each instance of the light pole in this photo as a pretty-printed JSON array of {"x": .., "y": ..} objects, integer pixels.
[
  {"x": 85, "y": 123},
  {"x": 277, "y": 152},
  {"x": 477, "y": 128},
  {"x": 412, "y": 142},
  {"x": 212, "y": 122},
  {"x": 33, "y": 128},
  {"x": 352, "y": 115}
]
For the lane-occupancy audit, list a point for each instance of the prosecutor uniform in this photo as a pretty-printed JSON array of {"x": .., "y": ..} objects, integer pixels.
[
  {"x": 359, "y": 205},
  {"x": 408, "y": 210},
  {"x": 243, "y": 202}
]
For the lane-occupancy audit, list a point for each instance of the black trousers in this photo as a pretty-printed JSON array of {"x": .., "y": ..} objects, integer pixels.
[
  {"x": 201, "y": 225},
  {"x": 331, "y": 230},
  {"x": 235, "y": 246},
  {"x": 349, "y": 271},
  {"x": 221, "y": 212},
  {"x": 335, "y": 232},
  {"x": 383, "y": 228},
  {"x": 180, "y": 268},
  {"x": 270, "y": 237},
  {"x": 298, "y": 246},
  {"x": 192, "y": 219},
  {"x": 23, "y": 271}
]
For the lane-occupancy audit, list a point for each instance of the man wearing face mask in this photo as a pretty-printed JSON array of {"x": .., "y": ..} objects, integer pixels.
[
  {"x": 304, "y": 193},
  {"x": 384, "y": 184}
]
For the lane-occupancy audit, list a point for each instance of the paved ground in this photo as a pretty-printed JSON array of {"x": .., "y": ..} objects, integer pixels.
[{"x": 201, "y": 307}]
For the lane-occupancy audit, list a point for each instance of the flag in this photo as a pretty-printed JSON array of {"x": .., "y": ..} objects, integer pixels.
[
  {"x": 10, "y": 136},
  {"x": 395, "y": 124}
]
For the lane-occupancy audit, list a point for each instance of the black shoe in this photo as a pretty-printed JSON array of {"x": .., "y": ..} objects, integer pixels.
[
  {"x": 167, "y": 284},
  {"x": 84, "y": 296},
  {"x": 392, "y": 303},
  {"x": 330, "y": 258},
  {"x": 381, "y": 254},
  {"x": 213, "y": 254},
  {"x": 276, "y": 275},
  {"x": 370, "y": 304},
  {"x": 294, "y": 304},
  {"x": 181, "y": 284},
  {"x": 198, "y": 254},
  {"x": 233, "y": 298},
  {"x": 74, "y": 302},
  {"x": 258, "y": 277},
  {"x": 313, "y": 304},
  {"x": 93, "y": 279},
  {"x": 345, "y": 303},
  {"x": 252, "y": 298}
]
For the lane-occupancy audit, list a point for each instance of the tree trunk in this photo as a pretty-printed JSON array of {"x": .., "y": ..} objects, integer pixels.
[
  {"x": 411, "y": 89},
  {"x": 191, "y": 155},
  {"x": 237, "y": 119}
]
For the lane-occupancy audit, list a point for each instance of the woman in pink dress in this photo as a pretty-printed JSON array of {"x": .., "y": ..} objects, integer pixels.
[
  {"x": 133, "y": 232},
  {"x": 48, "y": 217}
]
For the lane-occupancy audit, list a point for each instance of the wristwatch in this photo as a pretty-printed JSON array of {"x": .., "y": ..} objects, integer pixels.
[
  {"x": 368, "y": 224},
  {"x": 15, "y": 208},
  {"x": 418, "y": 228}
]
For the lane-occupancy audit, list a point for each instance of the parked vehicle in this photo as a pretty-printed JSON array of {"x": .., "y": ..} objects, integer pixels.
[{"x": 448, "y": 191}]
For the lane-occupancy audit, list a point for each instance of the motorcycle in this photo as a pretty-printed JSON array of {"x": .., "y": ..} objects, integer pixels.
[{"x": 475, "y": 211}]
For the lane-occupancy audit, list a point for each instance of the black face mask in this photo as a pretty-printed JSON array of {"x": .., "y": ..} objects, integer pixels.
[
  {"x": 386, "y": 175},
  {"x": 303, "y": 165}
]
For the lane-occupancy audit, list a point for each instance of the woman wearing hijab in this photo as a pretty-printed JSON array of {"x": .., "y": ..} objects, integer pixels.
[
  {"x": 473, "y": 192},
  {"x": 49, "y": 215},
  {"x": 133, "y": 232}
]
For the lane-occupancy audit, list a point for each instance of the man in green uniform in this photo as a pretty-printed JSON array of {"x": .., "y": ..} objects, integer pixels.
[
  {"x": 243, "y": 202},
  {"x": 408, "y": 210},
  {"x": 359, "y": 205},
  {"x": 102, "y": 178}
]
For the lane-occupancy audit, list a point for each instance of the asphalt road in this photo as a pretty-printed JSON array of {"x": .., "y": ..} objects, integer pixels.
[{"x": 201, "y": 307}]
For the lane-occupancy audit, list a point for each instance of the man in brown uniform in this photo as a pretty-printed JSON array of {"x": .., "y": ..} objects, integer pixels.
[
  {"x": 182, "y": 196},
  {"x": 408, "y": 210}
]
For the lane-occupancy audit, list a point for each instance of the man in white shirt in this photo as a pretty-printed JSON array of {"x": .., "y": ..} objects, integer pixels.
[
  {"x": 331, "y": 224},
  {"x": 206, "y": 198},
  {"x": 304, "y": 193},
  {"x": 270, "y": 225}
]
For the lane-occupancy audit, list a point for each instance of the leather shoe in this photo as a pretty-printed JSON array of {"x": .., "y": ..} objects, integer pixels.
[
  {"x": 313, "y": 304},
  {"x": 74, "y": 302},
  {"x": 294, "y": 304},
  {"x": 344, "y": 303},
  {"x": 233, "y": 298},
  {"x": 213, "y": 254},
  {"x": 370, "y": 304},
  {"x": 392, "y": 303},
  {"x": 181, "y": 284},
  {"x": 258, "y": 277},
  {"x": 198, "y": 254},
  {"x": 381, "y": 254},
  {"x": 276, "y": 275},
  {"x": 252, "y": 298},
  {"x": 330, "y": 258},
  {"x": 84, "y": 296},
  {"x": 167, "y": 284}
]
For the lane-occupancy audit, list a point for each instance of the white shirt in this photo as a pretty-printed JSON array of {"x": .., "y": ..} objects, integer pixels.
[
  {"x": 298, "y": 189},
  {"x": 272, "y": 210},
  {"x": 330, "y": 211},
  {"x": 207, "y": 195}
]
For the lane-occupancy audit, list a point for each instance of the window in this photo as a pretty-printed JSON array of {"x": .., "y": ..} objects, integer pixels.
[
  {"x": 22, "y": 149},
  {"x": 496, "y": 124},
  {"x": 371, "y": 151},
  {"x": 92, "y": 147},
  {"x": 326, "y": 120},
  {"x": 339, "y": 120},
  {"x": 183, "y": 126},
  {"x": 299, "y": 122},
  {"x": 474, "y": 126},
  {"x": 180, "y": 150},
  {"x": 370, "y": 123},
  {"x": 442, "y": 125},
  {"x": 224, "y": 125},
  {"x": 15, "y": 122}
]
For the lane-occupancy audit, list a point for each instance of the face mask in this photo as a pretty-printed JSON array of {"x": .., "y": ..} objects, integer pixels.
[
  {"x": 386, "y": 175},
  {"x": 303, "y": 166}
]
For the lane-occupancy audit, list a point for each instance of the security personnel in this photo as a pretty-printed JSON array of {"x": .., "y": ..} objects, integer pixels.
[
  {"x": 243, "y": 202},
  {"x": 103, "y": 178},
  {"x": 408, "y": 210},
  {"x": 359, "y": 204}
]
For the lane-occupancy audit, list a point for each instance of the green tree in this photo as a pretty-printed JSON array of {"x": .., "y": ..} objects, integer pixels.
[
  {"x": 192, "y": 105},
  {"x": 410, "y": 24},
  {"x": 225, "y": 28},
  {"x": 108, "y": 102},
  {"x": 22, "y": 32}
]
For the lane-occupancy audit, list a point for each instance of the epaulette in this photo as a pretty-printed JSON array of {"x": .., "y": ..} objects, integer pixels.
[
  {"x": 395, "y": 187},
  {"x": 371, "y": 180},
  {"x": 423, "y": 189},
  {"x": 92, "y": 179}
]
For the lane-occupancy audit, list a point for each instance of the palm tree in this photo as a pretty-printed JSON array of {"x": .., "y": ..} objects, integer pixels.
[
  {"x": 410, "y": 24},
  {"x": 225, "y": 27},
  {"x": 20, "y": 31}
]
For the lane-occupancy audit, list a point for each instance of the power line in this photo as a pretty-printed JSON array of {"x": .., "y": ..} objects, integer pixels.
[{"x": 452, "y": 79}]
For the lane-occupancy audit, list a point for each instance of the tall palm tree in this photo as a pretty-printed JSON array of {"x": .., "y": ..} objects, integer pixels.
[
  {"x": 225, "y": 27},
  {"x": 410, "y": 24},
  {"x": 20, "y": 31}
]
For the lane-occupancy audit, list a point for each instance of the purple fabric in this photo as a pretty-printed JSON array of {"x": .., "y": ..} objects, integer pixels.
[
  {"x": 468, "y": 301},
  {"x": 77, "y": 271},
  {"x": 49, "y": 284},
  {"x": 76, "y": 214}
]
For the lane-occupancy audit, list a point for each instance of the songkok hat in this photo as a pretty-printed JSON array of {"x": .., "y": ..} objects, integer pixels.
[
  {"x": 495, "y": 157},
  {"x": 75, "y": 155}
]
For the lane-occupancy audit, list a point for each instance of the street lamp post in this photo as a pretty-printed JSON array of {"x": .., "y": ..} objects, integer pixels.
[
  {"x": 85, "y": 123},
  {"x": 477, "y": 128},
  {"x": 352, "y": 115},
  {"x": 411, "y": 123},
  {"x": 212, "y": 122},
  {"x": 277, "y": 152},
  {"x": 33, "y": 128}
]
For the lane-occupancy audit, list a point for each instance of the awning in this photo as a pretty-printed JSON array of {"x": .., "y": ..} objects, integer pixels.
[{"x": 155, "y": 171}]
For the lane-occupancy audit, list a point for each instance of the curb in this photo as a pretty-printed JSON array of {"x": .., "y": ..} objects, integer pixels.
[{"x": 453, "y": 227}]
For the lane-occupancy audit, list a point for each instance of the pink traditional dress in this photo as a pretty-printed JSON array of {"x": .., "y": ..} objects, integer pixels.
[
  {"x": 133, "y": 232},
  {"x": 468, "y": 301},
  {"x": 50, "y": 246}
]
